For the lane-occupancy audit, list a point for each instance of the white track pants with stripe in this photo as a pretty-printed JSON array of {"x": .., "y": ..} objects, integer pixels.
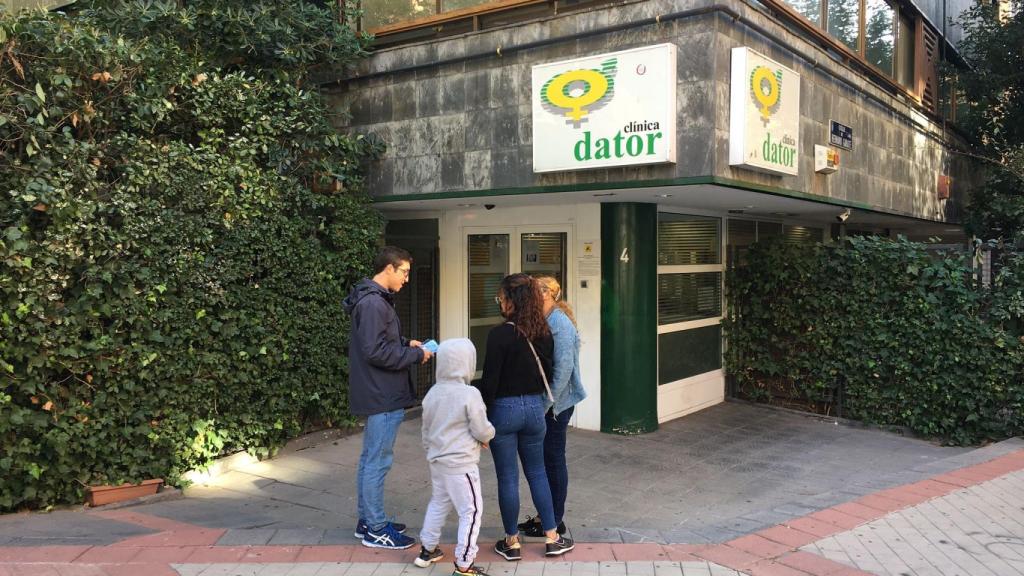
[{"x": 462, "y": 491}]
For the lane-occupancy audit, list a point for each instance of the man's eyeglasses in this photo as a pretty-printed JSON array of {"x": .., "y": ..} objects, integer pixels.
[
  {"x": 404, "y": 271},
  {"x": 497, "y": 300}
]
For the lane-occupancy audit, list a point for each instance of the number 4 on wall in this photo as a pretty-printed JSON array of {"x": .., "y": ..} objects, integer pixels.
[{"x": 625, "y": 256}]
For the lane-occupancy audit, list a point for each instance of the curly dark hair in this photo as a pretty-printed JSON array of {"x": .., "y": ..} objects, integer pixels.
[{"x": 524, "y": 305}]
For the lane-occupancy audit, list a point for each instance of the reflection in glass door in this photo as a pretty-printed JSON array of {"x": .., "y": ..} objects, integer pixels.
[
  {"x": 488, "y": 264},
  {"x": 543, "y": 254}
]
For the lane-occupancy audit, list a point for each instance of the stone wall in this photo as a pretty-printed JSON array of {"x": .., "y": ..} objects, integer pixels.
[{"x": 466, "y": 125}]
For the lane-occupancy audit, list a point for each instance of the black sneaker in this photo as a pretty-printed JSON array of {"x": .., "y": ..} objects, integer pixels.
[
  {"x": 559, "y": 547},
  {"x": 531, "y": 527},
  {"x": 510, "y": 552},
  {"x": 471, "y": 571},
  {"x": 428, "y": 557}
]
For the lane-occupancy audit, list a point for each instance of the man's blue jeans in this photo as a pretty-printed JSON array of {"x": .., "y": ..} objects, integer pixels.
[
  {"x": 374, "y": 464},
  {"x": 519, "y": 426},
  {"x": 554, "y": 459}
]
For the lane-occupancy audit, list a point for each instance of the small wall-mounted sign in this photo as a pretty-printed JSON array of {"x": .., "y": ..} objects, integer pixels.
[
  {"x": 945, "y": 186},
  {"x": 826, "y": 160},
  {"x": 840, "y": 135}
]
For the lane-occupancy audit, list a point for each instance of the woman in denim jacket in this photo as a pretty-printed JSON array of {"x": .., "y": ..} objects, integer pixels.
[{"x": 567, "y": 389}]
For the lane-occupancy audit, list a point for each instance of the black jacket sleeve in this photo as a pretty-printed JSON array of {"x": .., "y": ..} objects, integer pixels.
[{"x": 379, "y": 348}]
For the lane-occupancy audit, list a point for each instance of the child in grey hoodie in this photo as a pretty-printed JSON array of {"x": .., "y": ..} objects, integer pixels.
[{"x": 455, "y": 426}]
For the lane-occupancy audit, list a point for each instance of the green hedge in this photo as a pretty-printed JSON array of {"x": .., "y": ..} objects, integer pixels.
[
  {"x": 179, "y": 222},
  {"x": 903, "y": 333}
]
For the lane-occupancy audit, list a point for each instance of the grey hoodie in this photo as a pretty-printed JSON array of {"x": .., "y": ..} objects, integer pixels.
[{"x": 454, "y": 416}]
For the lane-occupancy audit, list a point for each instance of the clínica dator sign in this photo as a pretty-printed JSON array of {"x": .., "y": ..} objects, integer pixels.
[
  {"x": 764, "y": 114},
  {"x": 613, "y": 109}
]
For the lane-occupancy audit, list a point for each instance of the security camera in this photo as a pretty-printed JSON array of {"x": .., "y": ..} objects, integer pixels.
[
  {"x": 489, "y": 206},
  {"x": 843, "y": 216}
]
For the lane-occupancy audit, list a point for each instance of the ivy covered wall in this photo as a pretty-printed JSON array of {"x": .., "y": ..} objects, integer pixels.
[{"x": 179, "y": 222}]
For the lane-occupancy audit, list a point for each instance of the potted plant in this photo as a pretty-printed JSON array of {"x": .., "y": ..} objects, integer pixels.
[{"x": 100, "y": 495}]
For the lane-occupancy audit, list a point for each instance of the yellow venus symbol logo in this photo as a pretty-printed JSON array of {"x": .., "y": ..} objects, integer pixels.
[
  {"x": 764, "y": 87},
  {"x": 560, "y": 91},
  {"x": 575, "y": 94}
]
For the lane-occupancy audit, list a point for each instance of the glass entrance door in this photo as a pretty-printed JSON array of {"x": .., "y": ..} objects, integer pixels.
[{"x": 492, "y": 256}]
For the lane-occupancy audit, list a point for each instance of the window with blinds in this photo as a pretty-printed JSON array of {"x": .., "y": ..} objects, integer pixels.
[
  {"x": 685, "y": 297},
  {"x": 802, "y": 234},
  {"x": 688, "y": 240}
]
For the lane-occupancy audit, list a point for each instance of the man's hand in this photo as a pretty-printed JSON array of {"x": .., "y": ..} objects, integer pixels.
[
  {"x": 427, "y": 355},
  {"x": 484, "y": 444}
]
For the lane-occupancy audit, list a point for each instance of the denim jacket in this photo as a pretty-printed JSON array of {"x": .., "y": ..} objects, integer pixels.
[{"x": 566, "y": 385}]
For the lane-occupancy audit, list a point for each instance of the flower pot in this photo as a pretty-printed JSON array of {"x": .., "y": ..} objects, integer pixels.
[{"x": 100, "y": 495}]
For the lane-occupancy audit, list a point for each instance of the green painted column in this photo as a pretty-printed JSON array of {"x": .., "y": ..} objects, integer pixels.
[{"x": 629, "y": 330}]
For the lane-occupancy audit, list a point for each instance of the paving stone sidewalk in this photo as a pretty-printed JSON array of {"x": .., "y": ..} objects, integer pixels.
[
  {"x": 713, "y": 476},
  {"x": 977, "y": 531},
  {"x": 736, "y": 489}
]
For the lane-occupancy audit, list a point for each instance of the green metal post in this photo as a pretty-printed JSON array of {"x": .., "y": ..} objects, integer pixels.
[{"x": 629, "y": 329}]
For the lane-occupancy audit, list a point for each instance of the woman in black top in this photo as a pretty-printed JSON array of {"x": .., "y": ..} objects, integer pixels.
[{"x": 514, "y": 387}]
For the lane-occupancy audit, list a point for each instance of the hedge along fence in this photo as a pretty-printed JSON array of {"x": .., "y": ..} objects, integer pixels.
[
  {"x": 171, "y": 282},
  {"x": 904, "y": 333}
]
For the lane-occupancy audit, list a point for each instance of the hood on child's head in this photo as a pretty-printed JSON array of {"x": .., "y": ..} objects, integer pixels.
[{"x": 456, "y": 360}]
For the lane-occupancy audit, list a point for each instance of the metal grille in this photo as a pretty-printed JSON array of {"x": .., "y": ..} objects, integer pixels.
[
  {"x": 416, "y": 303},
  {"x": 742, "y": 233}
]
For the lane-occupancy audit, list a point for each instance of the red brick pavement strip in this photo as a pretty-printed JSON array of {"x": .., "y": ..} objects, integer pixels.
[
  {"x": 815, "y": 527},
  {"x": 881, "y": 503},
  {"x": 678, "y": 552},
  {"x": 857, "y": 510},
  {"x": 108, "y": 555},
  {"x": 330, "y": 554},
  {"x": 931, "y": 488},
  {"x": 628, "y": 552},
  {"x": 789, "y": 536},
  {"x": 837, "y": 518},
  {"x": 760, "y": 546},
  {"x": 49, "y": 554}
]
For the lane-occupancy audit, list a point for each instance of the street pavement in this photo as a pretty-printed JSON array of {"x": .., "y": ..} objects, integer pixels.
[{"x": 734, "y": 489}]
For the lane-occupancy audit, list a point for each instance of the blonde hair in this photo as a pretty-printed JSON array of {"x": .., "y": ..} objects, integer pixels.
[{"x": 550, "y": 285}]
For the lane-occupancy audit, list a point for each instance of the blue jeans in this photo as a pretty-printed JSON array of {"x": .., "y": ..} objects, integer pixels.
[
  {"x": 519, "y": 429},
  {"x": 374, "y": 464},
  {"x": 554, "y": 459}
]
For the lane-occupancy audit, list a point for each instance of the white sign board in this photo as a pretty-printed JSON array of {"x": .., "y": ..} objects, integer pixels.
[
  {"x": 764, "y": 114},
  {"x": 608, "y": 110}
]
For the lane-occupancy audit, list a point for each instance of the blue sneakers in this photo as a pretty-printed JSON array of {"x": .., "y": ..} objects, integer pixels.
[
  {"x": 362, "y": 528},
  {"x": 387, "y": 537}
]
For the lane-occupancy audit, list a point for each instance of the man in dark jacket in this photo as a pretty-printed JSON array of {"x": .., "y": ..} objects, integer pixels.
[{"x": 380, "y": 388}]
